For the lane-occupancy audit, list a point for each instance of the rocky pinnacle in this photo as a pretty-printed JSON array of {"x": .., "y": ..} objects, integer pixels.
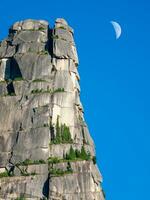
[{"x": 46, "y": 151}]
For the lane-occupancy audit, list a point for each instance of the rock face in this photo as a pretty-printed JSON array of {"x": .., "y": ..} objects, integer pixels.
[{"x": 46, "y": 151}]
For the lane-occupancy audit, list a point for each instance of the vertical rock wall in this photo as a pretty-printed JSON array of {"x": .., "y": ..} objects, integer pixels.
[{"x": 46, "y": 150}]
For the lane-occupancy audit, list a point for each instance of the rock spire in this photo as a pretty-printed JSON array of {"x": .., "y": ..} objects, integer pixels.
[{"x": 46, "y": 151}]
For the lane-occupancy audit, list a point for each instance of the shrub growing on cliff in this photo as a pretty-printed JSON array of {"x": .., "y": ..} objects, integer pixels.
[
  {"x": 26, "y": 162},
  {"x": 78, "y": 155},
  {"x": 4, "y": 174},
  {"x": 48, "y": 90},
  {"x": 55, "y": 37},
  {"x": 85, "y": 155},
  {"x": 31, "y": 162},
  {"x": 62, "y": 27},
  {"x": 58, "y": 90},
  {"x": 59, "y": 172},
  {"x": 53, "y": 160},
  {"x": 42, "y": 28},
  {"x": 41, "y": 161},
  {"x": 38, "y": 80}
]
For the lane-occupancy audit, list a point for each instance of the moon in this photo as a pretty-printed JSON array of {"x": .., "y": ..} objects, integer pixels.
[{"x": 117, "y": 29}]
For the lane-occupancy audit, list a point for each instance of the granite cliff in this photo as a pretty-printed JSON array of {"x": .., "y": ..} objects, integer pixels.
[{"x": 46, "y": 151}]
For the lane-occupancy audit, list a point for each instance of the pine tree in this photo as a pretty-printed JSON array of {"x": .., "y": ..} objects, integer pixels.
[
  {"x": 83, "y": 153},
  {"x": 66, "y": 135},
  {"x": 62, "y": 133},
  {"x": 71, "y": 155},
  {"x": 58, "y": 132},
  {"x": 78, "y": 153},
  {"x": 67, "y": 156}
]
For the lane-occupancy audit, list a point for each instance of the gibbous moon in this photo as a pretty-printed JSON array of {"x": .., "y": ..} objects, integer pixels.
[{"x": 117, "y": 29}]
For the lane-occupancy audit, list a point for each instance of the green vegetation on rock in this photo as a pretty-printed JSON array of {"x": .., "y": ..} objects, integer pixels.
[
  {"x": 58, "y": 90},
  {"x": 2, "y": 81},
  {"x": 55, "y": 37},
  {"x": 4, "y": 174},
  {"x": 71, "y": 155},
  {"x": 31, "y": 162},
  {"x": 38, "y": 80},
  {"x": 11, "y": 94},
  {"x": 52, "y": 91},
  {"x": 63, "y": 134},
  {"x": 54, "y": 160},
  {"x": 61, "y": 172},
  {"x": 62, "y": 27},
  {"x": 78, "y": 155},
  {"x": 43, "y": 53},
  {"x": 24, "y": 173},
  {"x": 18, "y": 79},
  {"x": 41, "y": 29},
  {"x": 38, "y": 91},
  {"x": 20, "y": 198}
]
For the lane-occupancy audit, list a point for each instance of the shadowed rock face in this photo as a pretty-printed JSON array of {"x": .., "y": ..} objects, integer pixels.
[{"x": 46, "y": 151}]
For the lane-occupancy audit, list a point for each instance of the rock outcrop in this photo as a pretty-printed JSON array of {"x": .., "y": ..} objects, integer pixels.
[{"x": 46, "y": 151}]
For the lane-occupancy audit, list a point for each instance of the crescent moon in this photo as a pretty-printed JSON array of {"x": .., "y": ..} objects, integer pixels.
[{"x": 117, "y": 29}]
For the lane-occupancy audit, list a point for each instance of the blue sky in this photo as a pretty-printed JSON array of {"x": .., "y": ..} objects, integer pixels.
[{"x": 115, "y": 82}]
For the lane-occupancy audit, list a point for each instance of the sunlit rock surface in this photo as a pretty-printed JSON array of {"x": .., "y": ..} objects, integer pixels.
[{"x": 46, "y": 151}]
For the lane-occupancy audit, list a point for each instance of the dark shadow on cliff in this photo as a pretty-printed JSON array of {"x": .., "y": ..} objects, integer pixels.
[
  {"x": 10, "y": 89},
  {"x": 45, "y": 190},
  {"x": 12, "y": 70},
  {"x": 49, "y": 44},
  {"x": 52, "y": 130}
]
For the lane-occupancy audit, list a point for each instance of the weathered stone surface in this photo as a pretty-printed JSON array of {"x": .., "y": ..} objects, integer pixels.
[
  {"x": 33, "y": 66},
  {"x": 61, "y": 23},
  {"x": 30, "y": 36},
  {"x": 41, "y": 117},
  {"x": 6, "y": 50},
  {"x": 37, "y": 47},
  {"x": 31, "y": 169},
  {"x": 77, "y": 186},
  {"x": 64, "y": 49},
  {"x": 63, "y": 42},
  {"x": 63, "y": 34},
  {"x": 30, "y": 24},
  {"x": 31, "y": 187},
  {"x": 30, "y": 145}
]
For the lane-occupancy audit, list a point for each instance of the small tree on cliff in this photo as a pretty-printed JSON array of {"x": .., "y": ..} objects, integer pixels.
[{"x": 58, "y": 132}]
